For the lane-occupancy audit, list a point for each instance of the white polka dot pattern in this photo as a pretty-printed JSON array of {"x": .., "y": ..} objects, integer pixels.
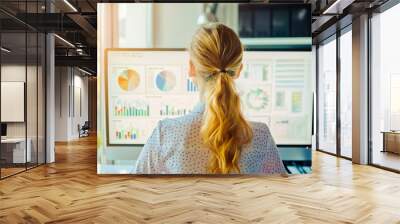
[{"x": 175, "y": 147}]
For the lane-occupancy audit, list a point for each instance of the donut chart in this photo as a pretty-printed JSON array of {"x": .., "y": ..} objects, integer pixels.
[
  {"x": 165, "y": 80},
  {"x": 257, "y": 99},
  {"x": 128, "y": 80}
]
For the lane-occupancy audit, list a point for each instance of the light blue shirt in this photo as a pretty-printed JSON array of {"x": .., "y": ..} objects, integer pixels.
[{"x": 175, "y": 147}]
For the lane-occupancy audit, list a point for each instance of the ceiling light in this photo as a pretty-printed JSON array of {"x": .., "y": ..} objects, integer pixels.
[
  {"x": 208, "y": 14},
  {"x": 338, "y": 6},
  {"x": 65, "y": 41},
  {"x": 5, "y": 50},
  {"x": 70, "y": 5},
  {"x": 84, "y": 71}
]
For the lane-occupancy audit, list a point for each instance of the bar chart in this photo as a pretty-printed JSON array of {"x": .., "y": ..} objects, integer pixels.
[
  {"x": 168, "y": 110},
  {"x": 190, "y": 86},
  {"x": 257, "y": 72},
  {"x": 127, "y": 133},
  {"x": 131, "y": 109}
]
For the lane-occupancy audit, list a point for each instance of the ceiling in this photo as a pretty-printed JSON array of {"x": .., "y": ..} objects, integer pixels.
[{"x": 75, "y": 22}]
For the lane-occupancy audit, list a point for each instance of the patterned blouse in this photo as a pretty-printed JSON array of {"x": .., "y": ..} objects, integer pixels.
[{"x": 175, "y": 147}]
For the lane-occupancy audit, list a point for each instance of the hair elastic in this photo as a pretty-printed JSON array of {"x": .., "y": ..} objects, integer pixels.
[{"x": 231, "y": 73}]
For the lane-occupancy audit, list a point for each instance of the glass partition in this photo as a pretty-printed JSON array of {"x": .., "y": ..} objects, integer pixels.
[
  {"x": 31, "y": 97},
  {"x": 23, "y": 90},
  {"x": 14, "y": 153}
]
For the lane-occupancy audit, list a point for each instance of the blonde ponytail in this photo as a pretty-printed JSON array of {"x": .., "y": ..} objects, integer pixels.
[{"x": 216, "y": 52}]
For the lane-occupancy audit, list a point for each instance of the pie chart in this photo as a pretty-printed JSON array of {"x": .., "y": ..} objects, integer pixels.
[
  {"x": 257, "y": 99},
  {"x": 128, "y": 79},
  {"x": 165, "y": 80}
]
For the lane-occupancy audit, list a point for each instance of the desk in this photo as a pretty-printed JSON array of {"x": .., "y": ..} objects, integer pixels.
[
  {"x": 391, "y": 141},
  {"x": 295, "y": 154},
  {"x": 296, "y": 159},
  {"x": 115, "y": 169},
  {"x": 16, "y": 147}
]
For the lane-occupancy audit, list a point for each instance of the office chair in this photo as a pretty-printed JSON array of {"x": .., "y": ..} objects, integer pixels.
[{"x": 84, "y": 130}]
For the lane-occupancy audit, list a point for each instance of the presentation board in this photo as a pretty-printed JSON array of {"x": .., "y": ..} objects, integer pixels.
[
  {"x": 145, "y": 86},
  {"x": 12, "y": 101}
]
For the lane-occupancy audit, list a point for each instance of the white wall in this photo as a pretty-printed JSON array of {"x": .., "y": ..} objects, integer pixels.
[
  {"x": 174, "y": 24},
  {"x": 157, "y": 25},
  {"x": 16, "y": 73},
  {"x": 33, "y": 126},
  {"x": 67, "y": 113},
  {"x": 61, "y": 103},
  {"x": 134, "y": 25},
  {"x": 79, "y": 117}
]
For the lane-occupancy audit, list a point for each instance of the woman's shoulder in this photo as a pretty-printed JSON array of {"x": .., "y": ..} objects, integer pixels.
[
  {"x": 182, "y": 122},
  {"x": 261, "y": 132},
  {"x": 259, "y": 126}
]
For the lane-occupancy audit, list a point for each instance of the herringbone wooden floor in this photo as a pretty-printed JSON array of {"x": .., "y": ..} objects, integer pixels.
[{"x": 70, "y": 191}]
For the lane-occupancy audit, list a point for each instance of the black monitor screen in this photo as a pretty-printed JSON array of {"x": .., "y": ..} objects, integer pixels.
[
  {"x": 300, "y": 22},
  {"x": 3, "y": 129},
  {"x": 265, "y": 21}
]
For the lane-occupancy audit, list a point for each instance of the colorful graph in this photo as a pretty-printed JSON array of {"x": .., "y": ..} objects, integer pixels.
[
  {"x": 257, "y": 72},
  {"x": 131, "y": 109},
  {"x": 280, "y": 99},
  {"x": 165, "y": 80},
  {"x": 169, "y": 110},
  {"x": 190, "y": 86},
  {"x": 290, "y": 73},
  {"x": 296, "y": 101},
  {"x": 245, "y": 71},
  {"x": 127, "y": 134},
  {"x": 146, "y": 86},
  {"x": 265, "y": 73},
  {"x": 128, "y": 79},
  {"x": 257, "y": 99}
]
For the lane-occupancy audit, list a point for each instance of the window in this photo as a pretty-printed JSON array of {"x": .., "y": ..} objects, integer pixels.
[
  {"x": 385, "y": 89},
  {"x": 327, "y": 96},
  {"x": 346, "y": 94}
]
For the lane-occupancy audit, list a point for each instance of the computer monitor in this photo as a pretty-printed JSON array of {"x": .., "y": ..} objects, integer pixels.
[
  {"x": 3, "y": 130},
  {"x": 145, "y": 86}
]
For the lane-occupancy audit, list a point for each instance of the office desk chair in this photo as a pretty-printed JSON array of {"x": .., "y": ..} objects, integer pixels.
[{"x": 84, "y": 130}]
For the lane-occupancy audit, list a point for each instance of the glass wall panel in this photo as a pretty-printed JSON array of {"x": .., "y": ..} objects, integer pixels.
[
  {"x": 32, "y": 85},
  {"x": 385, "y": 84},
  {"x": 31, "y": 97},
  {"x": 346, "y": 94},
  {"x": 41, "y": 79},
  {"x": 327, "y": 96},
  {"x": 22, "y": 87},
  {"x": 14, "y": 153}
]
